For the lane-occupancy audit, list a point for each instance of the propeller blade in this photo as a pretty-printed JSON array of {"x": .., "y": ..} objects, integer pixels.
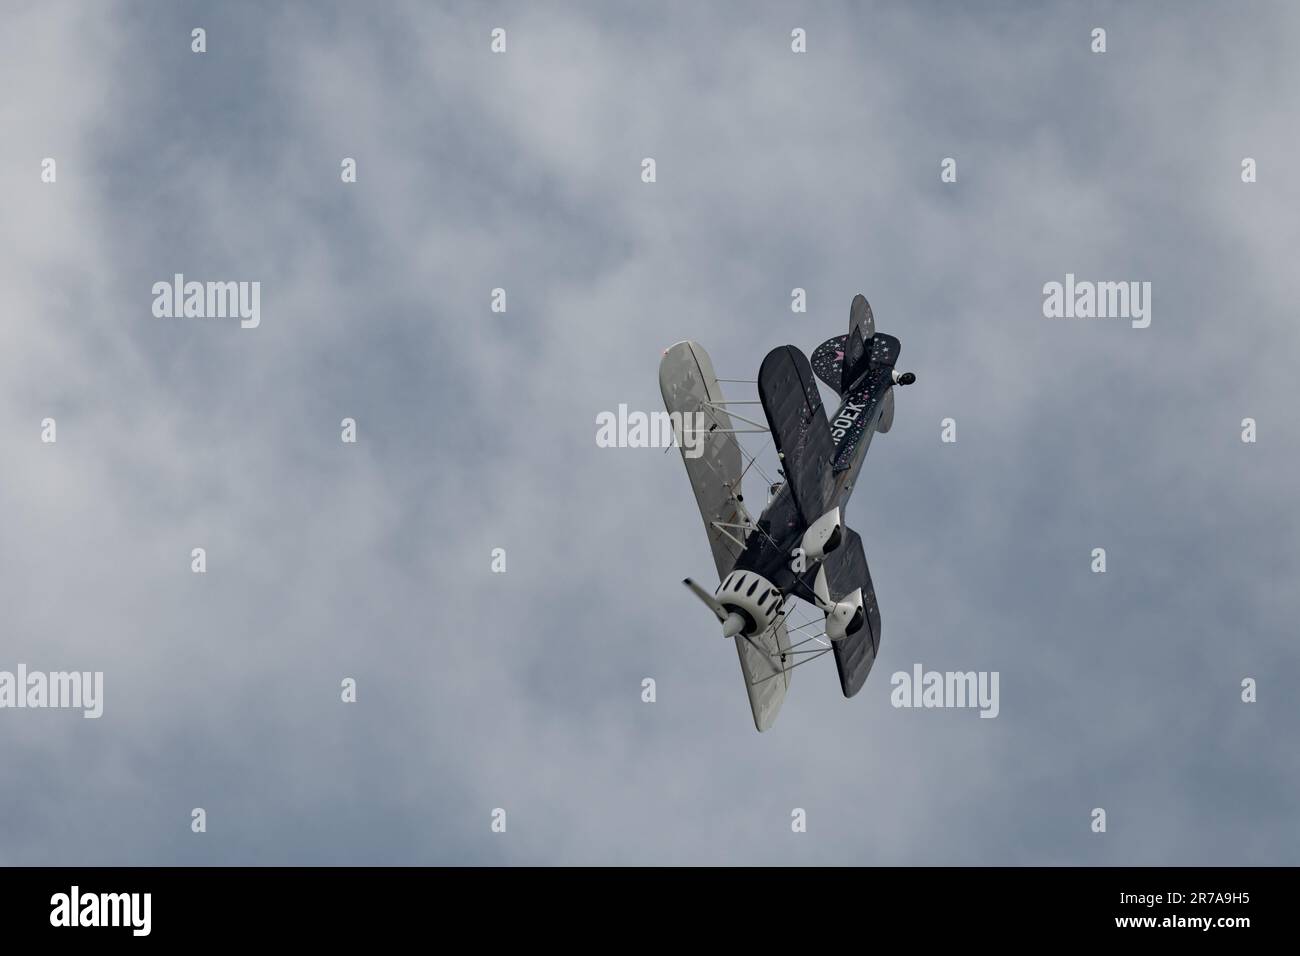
[{"x": 707, "y": 598}]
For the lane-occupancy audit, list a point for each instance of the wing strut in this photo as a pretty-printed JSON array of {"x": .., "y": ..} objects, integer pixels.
[{"x": 786, "y": 670}]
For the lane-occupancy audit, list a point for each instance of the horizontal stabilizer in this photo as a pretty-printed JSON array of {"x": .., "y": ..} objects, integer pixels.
[
  {"x": 886, "y": 412},
  {"x": 828, "y": 362}
]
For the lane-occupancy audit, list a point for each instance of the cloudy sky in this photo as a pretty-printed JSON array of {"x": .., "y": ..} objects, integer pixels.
[{"x": 522, "y": 170}]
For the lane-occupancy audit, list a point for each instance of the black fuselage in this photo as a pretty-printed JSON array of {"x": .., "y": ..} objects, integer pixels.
[{"x": 769, "y": 551}]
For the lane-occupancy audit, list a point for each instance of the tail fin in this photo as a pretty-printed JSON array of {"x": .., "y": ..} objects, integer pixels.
[
  {"x": 857, "y": 348},
  {"x": 840, "y": 361},
  {"x": 860, "y": 317}
]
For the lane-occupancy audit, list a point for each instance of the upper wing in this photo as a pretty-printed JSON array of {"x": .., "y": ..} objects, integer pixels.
[
  {"x": 846, "y": 570},
  {"x": 766, "y": 669},
  {"x": 690, "y": 386},
  {"x": 799, "y": 428}
]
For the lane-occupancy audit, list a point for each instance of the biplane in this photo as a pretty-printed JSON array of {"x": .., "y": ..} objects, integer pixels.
[{"x": 799, "y": 547}]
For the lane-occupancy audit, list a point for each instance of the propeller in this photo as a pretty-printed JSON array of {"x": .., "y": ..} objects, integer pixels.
[
  {"x": 732, "y": 623},
  {"x": 842, "y": 617}
]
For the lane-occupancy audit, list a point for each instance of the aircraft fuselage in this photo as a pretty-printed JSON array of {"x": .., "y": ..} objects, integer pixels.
[{"x": 771, "y": 550}]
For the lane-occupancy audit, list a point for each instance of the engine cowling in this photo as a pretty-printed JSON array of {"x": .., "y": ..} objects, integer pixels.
[
  {"x": 751, "y": 596},
  {"x": 845, "y": 617},
  {"x": 823, "y": 535}
]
